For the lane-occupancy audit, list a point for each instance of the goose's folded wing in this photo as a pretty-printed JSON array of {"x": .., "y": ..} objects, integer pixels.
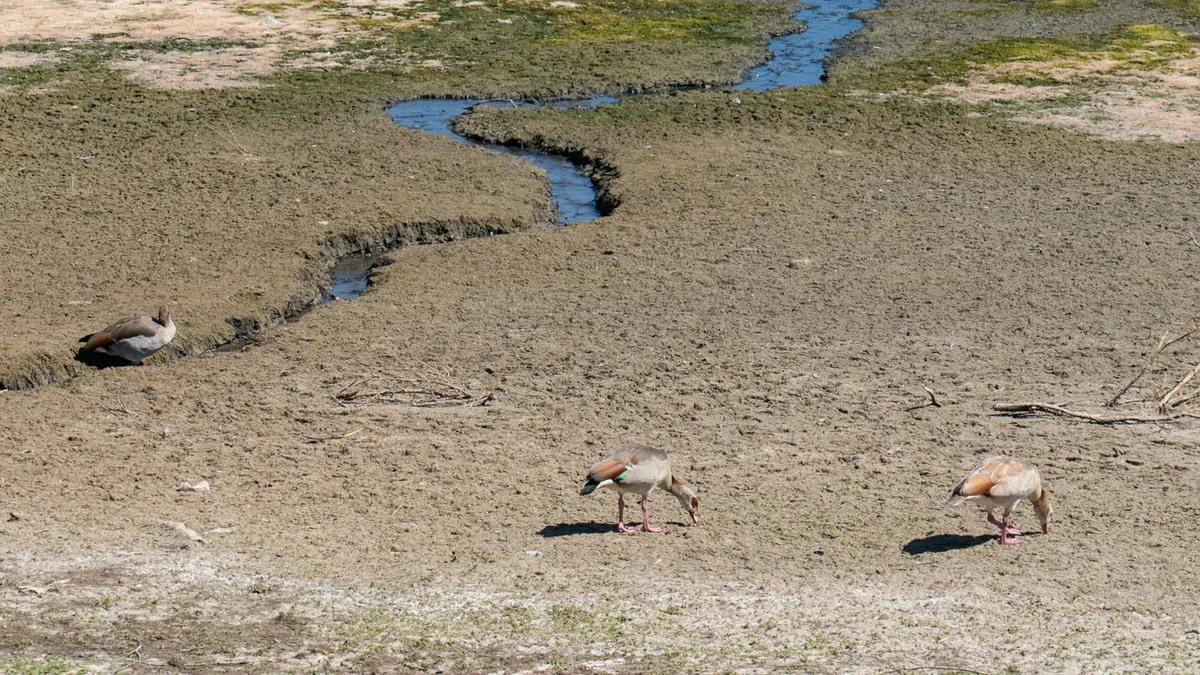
[
  {"x": 134, "y": 326},
  {"x": 608, "y": 469},
  {"x": 974, "y": 485}
]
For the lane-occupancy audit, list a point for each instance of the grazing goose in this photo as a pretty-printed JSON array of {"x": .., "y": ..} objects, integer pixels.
[
  {"x": 133, "y": 338},
  {"x": 1001, "y": 483},
  {"x": 639, "y": 469}
]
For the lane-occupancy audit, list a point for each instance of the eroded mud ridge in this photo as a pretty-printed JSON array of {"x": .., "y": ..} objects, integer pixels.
[
  {"x": 797, "y": 59},
  {"x": 787, "y": 274}
]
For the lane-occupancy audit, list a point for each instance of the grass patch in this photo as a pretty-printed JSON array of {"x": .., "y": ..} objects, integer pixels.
[
  {"x": 22, "y": 666},
  {"x": 500, "y": 48},
  {"x": 1137, "y": 46},
  {"x": 1187, "y": 8}
]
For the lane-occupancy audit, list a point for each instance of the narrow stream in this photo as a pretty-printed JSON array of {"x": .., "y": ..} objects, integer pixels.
[{"x": 797, "y": 60}]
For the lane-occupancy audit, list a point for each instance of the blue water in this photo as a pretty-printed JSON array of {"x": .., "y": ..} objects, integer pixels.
[
  {"x": 573, "y": 192},
  {"x": 797, "y": 60},
  {"x": 349, "y": 277}
]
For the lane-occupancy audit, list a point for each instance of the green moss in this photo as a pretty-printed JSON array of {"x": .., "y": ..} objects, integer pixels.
[
  {"x": 641, "y": 20},
  {"x": 1187, "y": 8},
  {"x": 22, "y": 666},
  {"x": 503, "y": 48},
  {"x": 1137, "y": 46},
  {"x": 1064, "y": 6}
]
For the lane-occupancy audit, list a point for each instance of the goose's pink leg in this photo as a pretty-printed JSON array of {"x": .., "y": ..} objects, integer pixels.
[
  {"x": 1011, "y": 530},
  {"x": 646, "y": 518},
  {"x": 621, "y": 516},
  {"x": 1005, "y": 538}
]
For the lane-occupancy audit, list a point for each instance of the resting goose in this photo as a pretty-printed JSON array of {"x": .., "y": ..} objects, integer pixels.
[
  {"x": 133, "y": 338},
  {"x": 640, "y": 470},
  {"x": 1001, "y": 483}
]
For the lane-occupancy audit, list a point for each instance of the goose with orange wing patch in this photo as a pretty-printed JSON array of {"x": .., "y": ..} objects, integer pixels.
[
  {"x": 133, "y": 338},
  {"x": 1001, "y": 483},
  {"x": 640, "y": 470}
]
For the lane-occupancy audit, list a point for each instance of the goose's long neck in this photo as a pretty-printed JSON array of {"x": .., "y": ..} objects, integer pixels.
[{"x": 681, "y": 492}]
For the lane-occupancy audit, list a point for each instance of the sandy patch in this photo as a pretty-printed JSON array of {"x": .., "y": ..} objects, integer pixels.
[
  {"x": 382, "y": 4},
  {"x": 268, "y": 35},
  {"x": 198, "y": 70},
  {"x": 1129, "y": 113},
  {"x": 27, "y": 59},
  {"x": 25, "y": 20},
  {"x": 1123, "y": 99},
  {"x": 982, "y": 91}
]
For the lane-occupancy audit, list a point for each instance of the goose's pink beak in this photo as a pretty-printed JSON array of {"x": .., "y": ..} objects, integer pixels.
[{"x": 1046, "y": 528}]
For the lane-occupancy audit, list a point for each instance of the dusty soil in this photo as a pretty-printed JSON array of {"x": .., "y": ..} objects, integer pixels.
[
  {"x": 769, "y": 320},
  {"x": 784, "y": 275},
  {"x": 228, "y": 228}
]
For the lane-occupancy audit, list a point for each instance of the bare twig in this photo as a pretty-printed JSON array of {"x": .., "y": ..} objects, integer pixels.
[
  {"x": 318, "y": 439},
  {"x": 932, "y": 397},
  {"x": 1163, "y": 343},
  {"x": 183, "y": 529},
  {"x": 1165, "y": 401},
  {"x": 232, "y": 139},
  {"x": 1023, "y": 409},
  {"x": 933, "y": 401},
  {"x": 124, "y": 408},
  {"x": 1190, "y": 397}
]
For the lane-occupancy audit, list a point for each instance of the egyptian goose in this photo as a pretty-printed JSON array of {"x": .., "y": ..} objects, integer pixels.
[
  {"x": 1001, "y": 483},
  {"x": 639, "y": 469},
  {"x": 133, "y": 338}
]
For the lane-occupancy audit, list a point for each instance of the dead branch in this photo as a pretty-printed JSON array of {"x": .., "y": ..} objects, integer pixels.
[
  {"x": 320, "y": 439},
  {"x": 932, "y": 401},
  {"x": 232, "y": 139},
  {"x": 124, "y": 408},
  {"x": 1165, "y": 402},
  {"x": 1027, "y": 409},
  {"x": 1163, "y": 343},
  {"x": 932, "y": 397},
  {"x": 1186, "y": 399}
]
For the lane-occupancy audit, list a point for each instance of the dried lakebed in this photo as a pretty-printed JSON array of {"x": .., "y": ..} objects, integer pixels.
[{"x": 797, "y": 59}]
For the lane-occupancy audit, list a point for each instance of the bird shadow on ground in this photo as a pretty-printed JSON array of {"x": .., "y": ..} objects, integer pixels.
[
  {"x": 100, "y": 360},
  {"x": 941, "y": 543},
  {"x": 568, "y": 529}
]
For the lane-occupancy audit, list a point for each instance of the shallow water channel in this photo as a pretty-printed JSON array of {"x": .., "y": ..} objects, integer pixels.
[{"x": 797, "y": 60}]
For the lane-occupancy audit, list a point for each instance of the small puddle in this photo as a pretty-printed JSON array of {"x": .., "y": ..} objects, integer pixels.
[
  {"x": 797, "y": 61},
  {"x": 350, "y": 277}
]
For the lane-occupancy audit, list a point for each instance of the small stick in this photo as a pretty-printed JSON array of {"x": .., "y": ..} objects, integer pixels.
[
  {"x": 1165, "y": 400},
  {"x": 932, "y": 397},
  {"x": 1031, "y": 408},
  {"x": 1192, "y": 396},
  {"x": 1163, "y": 343},
  {"x": 124, "y": 408},
  {"x": 932, "y": 401}
]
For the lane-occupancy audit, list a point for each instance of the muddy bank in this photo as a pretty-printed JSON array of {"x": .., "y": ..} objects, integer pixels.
[
  {"x": 771, "y": 319},
  {"x": 786, "y": 275},
  {"x": 233, "y": 224}
]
